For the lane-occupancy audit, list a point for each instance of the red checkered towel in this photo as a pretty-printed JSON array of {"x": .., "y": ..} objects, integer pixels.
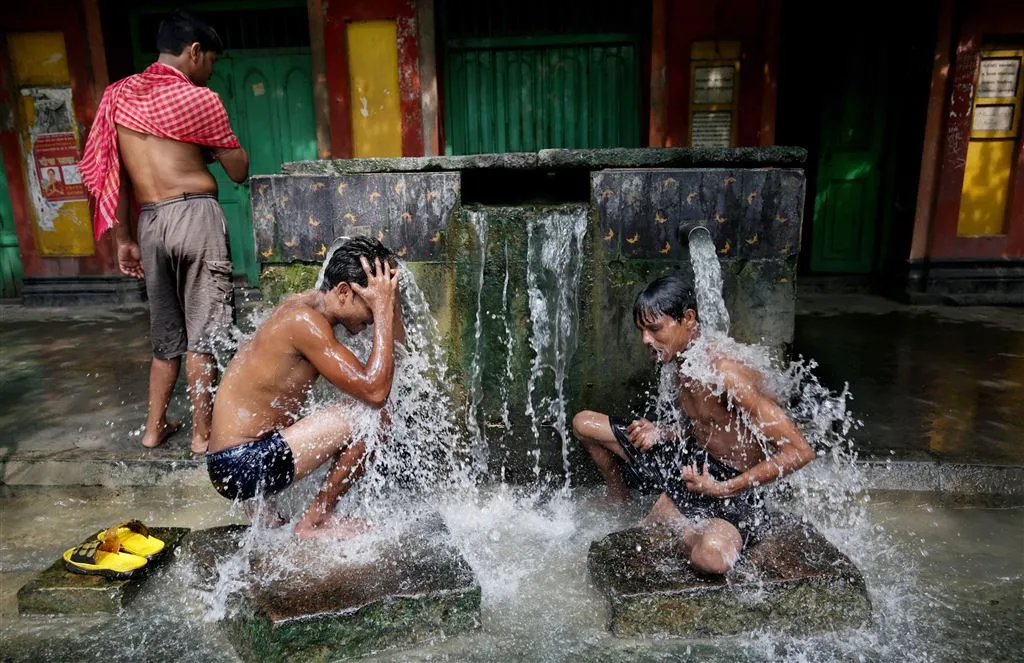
[{"x": 161, "y": 102}]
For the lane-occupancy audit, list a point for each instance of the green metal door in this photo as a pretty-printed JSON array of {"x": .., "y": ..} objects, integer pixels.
[
  {"x": 513, "y": 95},
  {"x": 234, "y": 197},
  {"x": 853, "y": 130},
  {"x": 269, "y": 99},
  {"x": 11, "y": 274}
]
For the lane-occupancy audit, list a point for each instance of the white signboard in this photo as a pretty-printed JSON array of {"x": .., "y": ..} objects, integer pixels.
[
  {"x": 714, "y": 85},
  {"x": 711, "y": 129},
  {"x": 993, "y": 118},
  {"x": 998, "y": 78}
]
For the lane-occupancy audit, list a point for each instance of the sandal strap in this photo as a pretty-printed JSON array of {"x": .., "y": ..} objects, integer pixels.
[{"x": 86, "y": 553}]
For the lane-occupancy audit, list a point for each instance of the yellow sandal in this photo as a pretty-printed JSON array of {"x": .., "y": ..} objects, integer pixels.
[
  {"x": 134, "y": 538},
  {"x": 102, "y": 558}
]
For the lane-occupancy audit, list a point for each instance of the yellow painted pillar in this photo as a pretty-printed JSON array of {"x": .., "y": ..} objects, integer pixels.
[
  {"x": 373, "y": 76},
  {"x": 995, "y": 128},
  {"x": 50, "y": 144}
]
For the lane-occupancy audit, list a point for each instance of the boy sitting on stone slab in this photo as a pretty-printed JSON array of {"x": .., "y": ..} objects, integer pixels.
[
  {"x": 736, "y": 438},
  {"x": 257, "y": 447}
]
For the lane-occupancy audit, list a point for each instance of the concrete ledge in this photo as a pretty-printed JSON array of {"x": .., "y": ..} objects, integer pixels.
[
  {"x": 83, "y": 290},
  {"x": 794, "y": 581},
  {"x": 967, "y": 282},
  {"x": 57, "y": 591},
  {"x": 562, "y": 159},
  {"x": 933, "y": 476},
  {"x": 103, "y": 472}
]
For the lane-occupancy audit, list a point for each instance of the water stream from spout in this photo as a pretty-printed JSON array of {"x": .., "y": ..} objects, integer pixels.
[{"x": 708, "y": 282}]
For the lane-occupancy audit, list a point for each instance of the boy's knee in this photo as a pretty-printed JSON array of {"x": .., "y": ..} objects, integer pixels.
[
  {"x": 717, "y": 551},
  {"x": 584, "y": 421}
]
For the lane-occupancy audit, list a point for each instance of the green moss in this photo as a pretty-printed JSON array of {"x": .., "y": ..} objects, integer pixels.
[{"x": 278, "y": 281}]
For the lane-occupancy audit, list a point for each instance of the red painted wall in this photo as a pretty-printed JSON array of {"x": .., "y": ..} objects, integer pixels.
[
  {"x": 746, "y": 21},
  {"x": 65, "y": 16},
  {"x": 981, "y": 23},
  {"x": 336, "y": 14}
]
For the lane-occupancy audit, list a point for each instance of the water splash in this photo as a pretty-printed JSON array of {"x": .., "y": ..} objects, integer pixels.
[{"x": 554, "y": 264}]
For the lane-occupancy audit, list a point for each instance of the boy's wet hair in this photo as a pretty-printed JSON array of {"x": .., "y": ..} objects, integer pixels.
[
  {"x": 344, "y": 266},
  {"x": 180, "y": 30},
  {"x": 666, "y": 295}
]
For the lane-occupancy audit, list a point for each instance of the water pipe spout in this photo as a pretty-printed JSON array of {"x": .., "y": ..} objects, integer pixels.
[{"x": 689, "y": 235}]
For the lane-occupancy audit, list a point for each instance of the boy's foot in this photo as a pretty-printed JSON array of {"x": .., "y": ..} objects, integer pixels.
[
  {"x": 199, "y": 445},
  {"x": 154, "y": 437}
]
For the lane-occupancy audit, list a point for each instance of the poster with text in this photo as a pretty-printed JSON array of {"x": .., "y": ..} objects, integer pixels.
[{"x": 56, "y": 157}]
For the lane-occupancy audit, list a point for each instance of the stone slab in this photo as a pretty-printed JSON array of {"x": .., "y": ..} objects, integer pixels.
[
  {"x": 752, "y": 214},
  {"x": 417, "y": 589},
  {"x": 109, "y": 471},
  {"x": 793, "y": 581},
  {"x": 57, "y": 591},
  {"x": 563, "y": 159},
  {"x": 298, "y": 217}
]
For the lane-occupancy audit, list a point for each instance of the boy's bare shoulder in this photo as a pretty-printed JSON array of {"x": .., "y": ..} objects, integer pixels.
[
  {"x": 296, "y": 315},
  {"x": 737, "y": 373}
]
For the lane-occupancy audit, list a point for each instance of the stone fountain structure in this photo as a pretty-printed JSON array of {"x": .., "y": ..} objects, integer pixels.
[{"x": 635, "y": 205}]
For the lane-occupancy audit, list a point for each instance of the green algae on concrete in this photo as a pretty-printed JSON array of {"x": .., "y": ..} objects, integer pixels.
[
  {"x": 794, "y": 581},
  {"x": 57, "y": 591},
  {"x": 278, "y": 281}
]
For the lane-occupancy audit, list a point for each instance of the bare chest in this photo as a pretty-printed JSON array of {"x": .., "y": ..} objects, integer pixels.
[{"x": 719, "y": 428}]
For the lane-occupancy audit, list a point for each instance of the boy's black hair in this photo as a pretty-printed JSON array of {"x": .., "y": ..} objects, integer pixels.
[
  {"x": 669, "y": 295},
  {"x": 345, "y": 267},
  {"x": 180, "y": 30}
]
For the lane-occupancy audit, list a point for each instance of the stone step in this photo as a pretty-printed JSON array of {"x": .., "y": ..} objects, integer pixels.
[
  {"x": 794, "y": 581},
  {"x": 57, "y": 591},
  {"x": 417, "y": 589}
]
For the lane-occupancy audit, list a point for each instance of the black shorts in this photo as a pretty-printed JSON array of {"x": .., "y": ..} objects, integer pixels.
[
  {"x": 257, "y": 468},
  {"x": 660, "y": 470}
]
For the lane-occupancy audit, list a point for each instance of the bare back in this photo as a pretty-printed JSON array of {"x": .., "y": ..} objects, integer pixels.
[
  {"x": 267, "y": 381},
  {"x": 720, "y": 429},
  {"x": 161, "y": 168}
]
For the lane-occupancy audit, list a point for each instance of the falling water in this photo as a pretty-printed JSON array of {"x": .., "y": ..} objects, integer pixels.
[
  {"x": 509, "y": 340},
  {"x": 424, "y": 448},
  {"x": 708, "y": 281},
  {"x": 554, "y": 264},
  {"x": 478, "y": 220}
]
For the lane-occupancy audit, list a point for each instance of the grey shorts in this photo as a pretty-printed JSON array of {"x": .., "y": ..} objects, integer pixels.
[{"x": 185, "y": 255}]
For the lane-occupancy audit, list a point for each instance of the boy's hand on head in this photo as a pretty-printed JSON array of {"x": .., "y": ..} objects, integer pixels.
[{"x": 381, "y": 285}]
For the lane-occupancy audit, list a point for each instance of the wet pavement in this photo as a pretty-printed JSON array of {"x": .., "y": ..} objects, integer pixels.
[
  {"x": 930, "y": 383},
  {"x": 74, "y": 384}
]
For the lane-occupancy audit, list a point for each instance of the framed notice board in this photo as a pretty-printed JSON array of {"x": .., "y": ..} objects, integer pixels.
[{"x": 714, "y": 93}]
